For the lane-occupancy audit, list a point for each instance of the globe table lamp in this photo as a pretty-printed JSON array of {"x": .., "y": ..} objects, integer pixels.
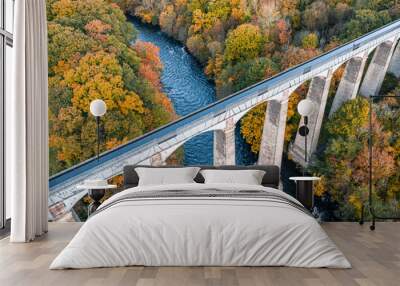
[
  {"x": 305, "y": 109},
  {"x": 98, "y": 108}
]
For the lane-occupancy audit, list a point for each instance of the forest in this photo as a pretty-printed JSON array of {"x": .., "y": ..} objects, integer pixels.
[
  {"x": 242, "y": 42},
  {"x": 91, "y": 56},
  {"x": 238, "y": 43}
]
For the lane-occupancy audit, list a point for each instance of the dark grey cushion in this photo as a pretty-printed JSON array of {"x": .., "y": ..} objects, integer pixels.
[{"x": 270, "y": 179}]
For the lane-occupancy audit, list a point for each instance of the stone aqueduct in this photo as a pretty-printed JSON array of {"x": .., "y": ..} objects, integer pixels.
[{"x": 221, "y": 117}]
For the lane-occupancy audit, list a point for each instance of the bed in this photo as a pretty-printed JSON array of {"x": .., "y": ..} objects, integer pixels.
[{"x": 201, "y": 224}]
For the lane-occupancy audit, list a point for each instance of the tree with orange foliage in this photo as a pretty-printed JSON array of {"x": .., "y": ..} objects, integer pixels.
[
  {"x": 150, "y": 65},
  {"x": 282, "y": 33},
  {"x": 294, "y": 56}
]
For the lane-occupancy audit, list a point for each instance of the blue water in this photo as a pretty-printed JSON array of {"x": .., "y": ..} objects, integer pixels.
[{"x": 186, "y": 85}]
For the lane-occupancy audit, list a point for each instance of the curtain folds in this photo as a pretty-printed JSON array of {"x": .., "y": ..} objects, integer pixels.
[{"x": 27, "y": 120}]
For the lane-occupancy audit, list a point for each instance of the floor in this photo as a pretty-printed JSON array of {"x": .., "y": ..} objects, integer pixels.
[{"x": 375, "y": 257}]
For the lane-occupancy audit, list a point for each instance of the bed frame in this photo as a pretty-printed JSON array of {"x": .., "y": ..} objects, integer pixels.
[{"x": 270, "y": 179}]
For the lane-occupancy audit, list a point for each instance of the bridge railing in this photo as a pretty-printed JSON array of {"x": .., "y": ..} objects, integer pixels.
[{"x": 282, "y": 79}]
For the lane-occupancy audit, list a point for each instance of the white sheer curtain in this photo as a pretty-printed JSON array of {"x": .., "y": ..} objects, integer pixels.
[{"x": 27, "y": 142}]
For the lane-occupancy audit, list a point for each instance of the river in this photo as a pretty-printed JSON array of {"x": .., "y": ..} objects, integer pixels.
[{"x": 188, "y": 88}]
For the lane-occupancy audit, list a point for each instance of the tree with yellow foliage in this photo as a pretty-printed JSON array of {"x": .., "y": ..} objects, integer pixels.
[{"x": 243, "y": 43}]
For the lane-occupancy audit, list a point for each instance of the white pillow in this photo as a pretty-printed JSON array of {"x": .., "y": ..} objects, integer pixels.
[
  {"x": 248, "y": 177},
  {"x": 166, "y": 176}
]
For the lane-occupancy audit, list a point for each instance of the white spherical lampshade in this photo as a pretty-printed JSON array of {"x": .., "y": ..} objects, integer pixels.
[
  {"x": 305, "y": 107},
  {"x": 98, "y": 107}
]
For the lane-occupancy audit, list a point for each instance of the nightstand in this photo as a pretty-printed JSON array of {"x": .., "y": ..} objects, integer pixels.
[{"x": 304, "y": 190}]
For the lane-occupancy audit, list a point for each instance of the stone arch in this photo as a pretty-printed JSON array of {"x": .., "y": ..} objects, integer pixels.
[
  {"x": 377, "y": 68},
  {"x": 277, "y": 100},
  {"x": 318, "y": 93},
  {"x": 165, "y": 154},
  {"x": 394, "y": 66},
  {"x": 350, "y": 81},
  {"x": 279, "y": 97},
  {"x": 159, "y": 158},
  {"x": 387, "y": 44},
  {"x": 188, "y": 140}
]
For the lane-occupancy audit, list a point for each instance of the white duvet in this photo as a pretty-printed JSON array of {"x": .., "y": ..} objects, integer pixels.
[{"x": 200, "y": 231}]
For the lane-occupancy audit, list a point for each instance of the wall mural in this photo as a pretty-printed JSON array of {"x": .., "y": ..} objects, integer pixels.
[{"x": 153, "y": 62}]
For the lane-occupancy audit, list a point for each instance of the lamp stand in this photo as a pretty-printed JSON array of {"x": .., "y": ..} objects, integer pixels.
[
  {"x": 370, "y": 159},
  {"x": 303, "y": 131},
  {"x": 98, "y": 136}
]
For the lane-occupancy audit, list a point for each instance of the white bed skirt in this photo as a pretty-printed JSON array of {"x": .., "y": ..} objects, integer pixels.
[{"x": 200, "y": 232}]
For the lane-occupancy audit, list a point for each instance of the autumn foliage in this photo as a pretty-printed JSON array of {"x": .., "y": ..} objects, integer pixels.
[
  {"x": 243, "y": 43},
  {"x": 91, "y": 56},
  {"x": 239, "y": 44},
  {"x": 344, "y": 162}
]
